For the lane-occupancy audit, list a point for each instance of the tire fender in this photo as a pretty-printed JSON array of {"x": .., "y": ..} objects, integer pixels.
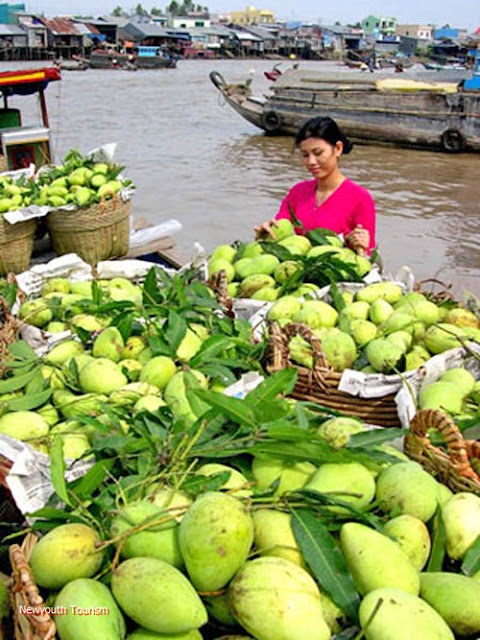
[
  {"x": 217, "y": 79},
  {"x": 453, "y": 141},
  {"x": 271, "y": 121}
]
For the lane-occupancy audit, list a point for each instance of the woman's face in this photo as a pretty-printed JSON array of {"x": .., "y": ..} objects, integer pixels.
[{"x": 320, "y": 157}]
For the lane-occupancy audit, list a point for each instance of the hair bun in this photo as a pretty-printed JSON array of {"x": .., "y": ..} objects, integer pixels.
[{"x": 347, "y": 145}]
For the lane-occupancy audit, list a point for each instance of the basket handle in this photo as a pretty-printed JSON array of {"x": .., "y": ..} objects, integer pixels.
[
  {"x": 282, "y": 336},
  {"x": 426, "y": 419}
]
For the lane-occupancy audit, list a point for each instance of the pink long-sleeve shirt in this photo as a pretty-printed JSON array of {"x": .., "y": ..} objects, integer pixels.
[{"x": 348, "y": 206}]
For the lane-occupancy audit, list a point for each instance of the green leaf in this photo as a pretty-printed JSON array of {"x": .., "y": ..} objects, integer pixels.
[
  {"x": 471, "y": 560},
  {"x": 22, "y": 350},
  {"x": 124, "y": 324},
  {"x": 57, "y": 470},
  {"x": 211, "y": 347},
  {"x": 281, "y": 382},
  {"x": 30, "y": 401},
  {"x": 338, "y": 302},
  {"x": 85, "y": 486},
  {"x": 234, "y": 408},
  {"x": 437, "y": 554},
  {"x": 195, "y": 485},
  {"x": 325, "y": 559},
  {"x": 17, "y": 382},
  {"x": 374, "y": 437}
]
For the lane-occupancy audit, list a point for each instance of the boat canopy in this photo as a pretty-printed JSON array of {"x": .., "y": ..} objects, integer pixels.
[{"x": 27, "y": 81}]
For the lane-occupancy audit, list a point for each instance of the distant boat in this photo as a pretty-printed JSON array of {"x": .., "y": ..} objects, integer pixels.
[
  {"x": 402, "y": 110},
  {"x": 143, "y": 57}
]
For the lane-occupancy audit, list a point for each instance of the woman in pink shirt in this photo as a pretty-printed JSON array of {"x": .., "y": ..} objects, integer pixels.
[{"x": 330, "y": 200}]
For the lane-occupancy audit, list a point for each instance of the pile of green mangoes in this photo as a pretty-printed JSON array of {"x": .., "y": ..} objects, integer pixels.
[
  {"x": 61, "y": 304},
  {"x": 230, "y": 557},
  {"x": 378, "y": 329},
  {"x": 78, "y": 181},
  {"x": 288, "y": 263},
  {"x": 15, "y": 193},
  {"x": 79, "y": 378}
]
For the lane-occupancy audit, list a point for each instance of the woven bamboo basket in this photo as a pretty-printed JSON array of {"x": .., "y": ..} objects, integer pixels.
[
  {"x": 320, "y": 384},
  {"x": 95, "y": 233},
  {"x": 9, "y": 327},
  {"x": 24, "y": 593},
  {"x": 218, "y": 283},
  {"x": 451, "y": 465},
  {"x": 16, "y": 245}
]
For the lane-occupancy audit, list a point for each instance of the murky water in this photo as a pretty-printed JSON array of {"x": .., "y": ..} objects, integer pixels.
[{"x": 196, "y": 160}]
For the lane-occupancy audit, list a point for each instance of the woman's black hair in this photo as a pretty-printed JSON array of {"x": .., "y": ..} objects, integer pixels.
[{"x": 324, "y": 128}]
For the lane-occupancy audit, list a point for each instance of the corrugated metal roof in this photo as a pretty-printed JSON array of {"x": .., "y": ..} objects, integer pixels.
[
  {"x": 60, "y": 26},
  {"x": 11, "y": 30},
  {"x": 147, "y": 30},
  {"x": 86, "y": 29}
]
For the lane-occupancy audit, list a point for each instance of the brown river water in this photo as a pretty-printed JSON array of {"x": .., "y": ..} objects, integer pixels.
[{"x": 194, "y": 159}]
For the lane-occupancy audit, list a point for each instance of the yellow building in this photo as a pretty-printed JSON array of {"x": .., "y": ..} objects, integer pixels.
[{"x": 252, "y": 16}]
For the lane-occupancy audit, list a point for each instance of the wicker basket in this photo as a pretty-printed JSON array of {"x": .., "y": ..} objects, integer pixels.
[
  {"x": 9, "y": 328},
  {"x": 95, "y": 233},
  {"x": 16, "y": 245},
  {"x": 450, "y": 465},
  {"x": 320, "y": 384},
  {"x": 24, "y": 593}
]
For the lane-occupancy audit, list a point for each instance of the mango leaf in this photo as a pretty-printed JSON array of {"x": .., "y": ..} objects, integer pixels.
[
  {"x": 174, "y": 330},
  {"x": 30, "y": 401},
  {"x": 338, "y": 302},
  {"x": 374, "y": 437},
  {"x": 124, "y": 323},
  {"x": 281, "y": 382},
  {"x": 272, "y": 411},
  {"x": 211, "y": 347},
  {"x": 151, "y": 291},
  {"x": 22, "y": 350},
  {"x": 217, "y": 372},
  {"x": 319, "y": 236},
  {"x": 471, "y": 560},
  {"x": 316, "y": 452},
  {"x": 437, "y": 554},
  {"x": 195, "y": 485},
  {"x": 96, "y": 293},
  {"x": 57, "y": 470},
  {"x": 17, "y": 382},
  {"x": 234, "y": 408},
  {"x": 325, "y": 559},
  {"x": 85, "y": 486},
  {"x": 295, "y": 221}
]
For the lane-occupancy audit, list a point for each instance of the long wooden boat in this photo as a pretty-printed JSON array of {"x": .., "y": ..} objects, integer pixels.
[
  {"x": 143, "y": 58},
  {"x": 370, "y": 108}
]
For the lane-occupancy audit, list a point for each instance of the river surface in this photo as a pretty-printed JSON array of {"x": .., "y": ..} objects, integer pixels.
[{"x": 194, "y": 159}]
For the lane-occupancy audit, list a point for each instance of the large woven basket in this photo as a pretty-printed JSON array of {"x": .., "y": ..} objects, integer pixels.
[
  {"x": 320, "y": 384},
  {"x": 29, "y": 624},
  {"x": 451, "y": 465},
  {"x": 16, "y": 245},
  {"x": 9, "y": 327},
  {"x": 95, "y": 233}
]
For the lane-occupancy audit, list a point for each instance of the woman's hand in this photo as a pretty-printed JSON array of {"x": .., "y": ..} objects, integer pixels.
[
  {"x": 265, "y": 229},
  {"x": 359, "y": 238}
]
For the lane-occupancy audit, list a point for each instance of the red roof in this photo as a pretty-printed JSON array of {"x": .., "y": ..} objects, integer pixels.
[{"x": 60, "y": 26}]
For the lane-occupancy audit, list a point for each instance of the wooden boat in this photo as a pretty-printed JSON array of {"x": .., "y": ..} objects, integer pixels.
[
  {"x": 72, "y": 65},
  {"x": 385, "y": 109},
  {"x": 141, "y": 58},
  {"x": 21, "y": 145}
]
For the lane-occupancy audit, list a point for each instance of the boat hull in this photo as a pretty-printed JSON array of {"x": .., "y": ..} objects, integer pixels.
[
  {"x": 425, "y": 119},
  {"x": 109, "y": 61}
]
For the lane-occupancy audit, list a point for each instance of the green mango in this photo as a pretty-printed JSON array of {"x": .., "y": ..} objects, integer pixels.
[
  {"x": 284, "y": 307},
  {"x": 316, "y": 314},
  {"x": 275, "y": 599},
  {"x": 445, "y": 396},
  {"x": 348, "y": 481},
  {"x": 157, "y": 596},
  {"x": 400, "y": 615},
  {"x": 384, "y": 355},
  {"x": 225, "y": 252},
  {"x": 23, "y": 425},
  {"x": 215, "y": 265},
  {"x": 236, "y": 484},
  {"x": 157, "y": 541},
  {"x": 388, "y": 291},
  {"x": 291, "y": 476},
  {"x": 83, "y": 196},
  {"x": 65, "y": 553},
  {"x": 189, "y": 346},
  {"x": 97, "y": 180},
  {"x": 461, "y": 517},
  {"x": 297, "y": 245},
  {"x": 109, "y": 344},
  {"x": 376, "y": 561},
  {"x": 443, "y": 336},
  {"x": 456, "y": 598},
  {"x": 109, "y": 189},
  {"x": 145, "y": 634},
  {"x": 36, "y": 312},
  {"x": 251, "y": 284},
  {"x": 337, "y": 431},
  {"x": 215, "y": 537},
  {"x": 100, "y": 167},
  {"x": 158, "y": 371},
  {"x": 406, "y": 488},
  {"x": 60, "y": 353},
  {"x": 413, "y": 536},
  {"x": 101, "y": 376},
  {"x": 61, "y": 285},
  {"x": 89, "y": 611},
  {"x": 185, "y": 409},
  {"x": 281, "y": 229},
  {"x": 273, "y": 535}
]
